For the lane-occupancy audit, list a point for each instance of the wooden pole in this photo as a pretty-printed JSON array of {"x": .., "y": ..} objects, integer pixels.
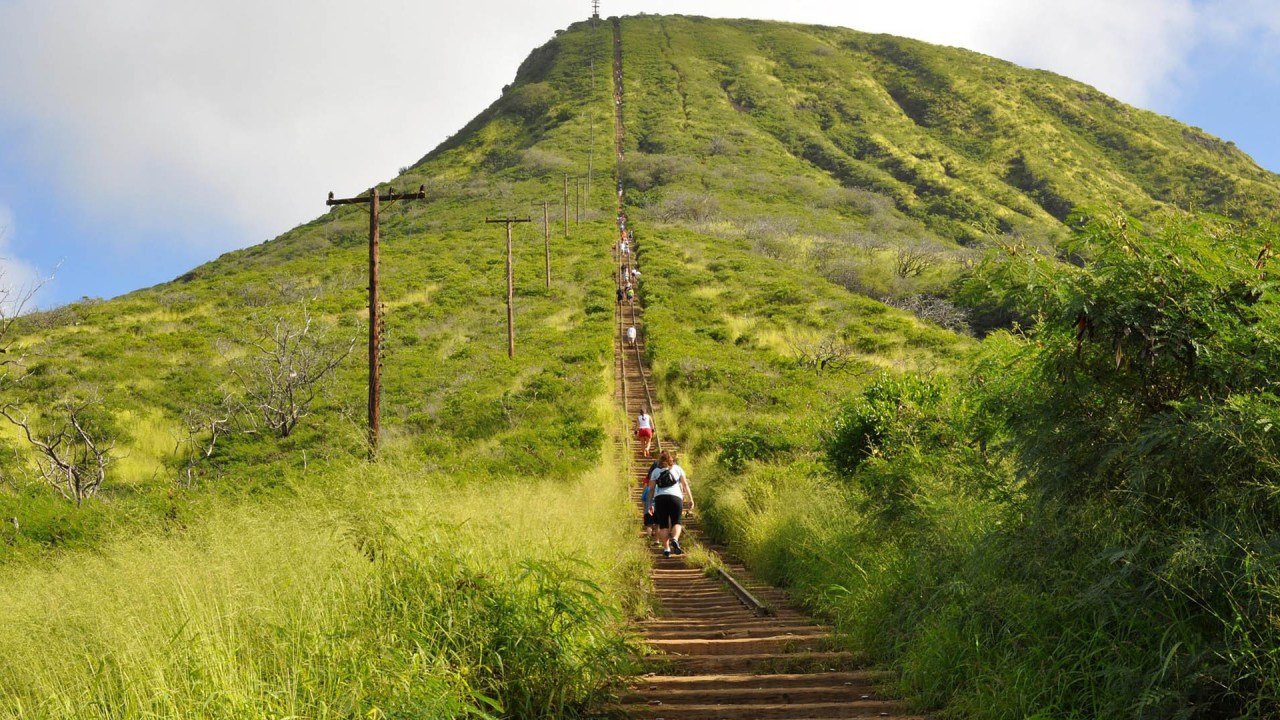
[
  {"x": 591, "y": 136},
  {"x": 577, "y": 201},
  {"x": 546, "y": 238},
  {"x": 375, "y": 325},
  {"x": 511, "y": 313},
  {"x": 375, "y": 310},
  {"x": 566, "y": 206}
]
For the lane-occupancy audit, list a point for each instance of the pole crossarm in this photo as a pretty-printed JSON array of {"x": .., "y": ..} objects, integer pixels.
[
  {"x": 389, "y": 196},
  {"x": 508, "y": 220}
]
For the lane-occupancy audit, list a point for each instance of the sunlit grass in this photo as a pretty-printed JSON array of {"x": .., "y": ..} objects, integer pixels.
[{"x": 282, "y": 610}]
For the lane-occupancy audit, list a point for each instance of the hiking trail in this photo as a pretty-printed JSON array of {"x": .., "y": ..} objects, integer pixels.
[{"x": 724, "y": 647}]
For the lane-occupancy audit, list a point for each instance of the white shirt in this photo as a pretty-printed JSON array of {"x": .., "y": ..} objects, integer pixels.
[
  {"x": 644, "y": 421},
  {"x": 631, "y": 334},
  {"x": 675, "y": 490}
]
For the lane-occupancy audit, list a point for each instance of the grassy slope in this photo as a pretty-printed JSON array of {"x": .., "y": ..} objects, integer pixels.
[
  {"x": 774, "y": 114},
  {"x": 763, "y": 158},
  {"x": 751, "y": 146},
  {"x": 294, "y": 579},
  {"x": 449, "y": 388}
]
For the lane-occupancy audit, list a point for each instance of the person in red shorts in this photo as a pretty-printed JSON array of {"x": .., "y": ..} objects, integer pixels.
[{"x": 644, "y": 431}]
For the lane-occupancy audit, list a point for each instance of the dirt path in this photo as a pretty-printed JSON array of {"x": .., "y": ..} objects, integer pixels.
[{"x": 716, "y": 655}]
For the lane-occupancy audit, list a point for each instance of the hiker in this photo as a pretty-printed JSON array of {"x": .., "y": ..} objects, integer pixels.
[
  {"x": 644, "y": 431},
  {"x": 631, "y": 293},
  {"x": 635, "y": 274},
  {"x": 631, "y": 335},
  {"x": 670, "y": 486},
  {"x": 650, "y": 525},
  {"x": 621, "y": 295},
  {"x": 626, "y": 250}
]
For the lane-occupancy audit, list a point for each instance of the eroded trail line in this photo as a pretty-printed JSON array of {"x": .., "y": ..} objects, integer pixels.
[{"x": 716, "y": 656}]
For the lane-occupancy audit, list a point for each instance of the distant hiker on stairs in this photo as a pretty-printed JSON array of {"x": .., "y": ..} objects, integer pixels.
[
  {"x": 668, "y": 485},
  {"x": 644, "y": 430}
]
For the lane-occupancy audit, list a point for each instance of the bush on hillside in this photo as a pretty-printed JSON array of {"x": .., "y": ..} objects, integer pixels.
[
  {"x": 688, "y": 207},
  {"x": 863, "y": 427},
  {"x": 533, "y": 101},
  {"x": 748, "y": 444},
  {"x": 644, "y": 171}
]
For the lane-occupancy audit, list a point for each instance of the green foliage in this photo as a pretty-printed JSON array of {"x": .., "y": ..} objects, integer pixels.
[
  {"x": 346, "y": 601},
  {"x": 532, "y": 101},
  {"x": 1074, "y": 521},
  {"x": 1162, "y": 350},
  {"x": 862, "y": 427},
  {"x": 748, "y": 444},
  {"x": 1079, "y": 525}
]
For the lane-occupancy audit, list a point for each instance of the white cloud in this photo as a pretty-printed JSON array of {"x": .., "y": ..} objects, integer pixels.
[
  {"x": 176, "y": 116},
  {"x": 166, "y": 115},
  {"x": 19, "y": 280}
]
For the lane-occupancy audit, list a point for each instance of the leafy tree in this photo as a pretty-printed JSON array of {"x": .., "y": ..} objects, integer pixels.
[{"x": 1152, "y": 371}]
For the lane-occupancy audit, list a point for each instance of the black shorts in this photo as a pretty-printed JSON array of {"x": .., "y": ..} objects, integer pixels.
[
  {"x": 649, "y": 519},
  {"x": 667, "y": 509}
]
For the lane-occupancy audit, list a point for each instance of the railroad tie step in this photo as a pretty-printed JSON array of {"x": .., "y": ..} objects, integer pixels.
[
  {"x": 779, "y": 643},
  {"x": 758, "y": 663},
  {"x": 768, "y": 711}
]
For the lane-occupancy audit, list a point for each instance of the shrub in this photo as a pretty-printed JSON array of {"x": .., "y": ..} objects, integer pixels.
[
  {"x": 863, "y": 426},
  {"x": 545, "y": 162},
  {"x": 644, "y": 171},
  {"x": 747, "y": 444},
  {"x": 691, "y": 207},
  {"x": 532, "y": 102}
]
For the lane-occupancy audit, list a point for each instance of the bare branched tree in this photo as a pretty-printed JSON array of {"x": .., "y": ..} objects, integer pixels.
[
  {"x": 69, "y": 457},
  {"x": 937, "y": 310},
  {"x": 828, "y": 353},
  {"x": 282, "y": 369},
  {"x": 202, "y": 427},
  {"x": 913, "y": 260}
]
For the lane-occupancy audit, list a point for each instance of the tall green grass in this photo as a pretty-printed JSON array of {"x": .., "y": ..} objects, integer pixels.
[{"x": 410, "y": 595}]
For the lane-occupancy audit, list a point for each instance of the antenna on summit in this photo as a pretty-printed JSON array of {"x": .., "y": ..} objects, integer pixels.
[{"x": 595, "y": 9}]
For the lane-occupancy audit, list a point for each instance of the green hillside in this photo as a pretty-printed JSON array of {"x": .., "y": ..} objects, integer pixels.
[
  {"x": 1068, "y": 520},
  {"x": 797, "y": 191},
  {"x": 966, "y": 144}
]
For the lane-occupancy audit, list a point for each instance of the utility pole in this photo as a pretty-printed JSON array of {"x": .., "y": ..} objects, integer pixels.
[
  {"x": 546, "y": 238},
  {"x": 375, "y": 201},
  {"x": 577, "y": 201},
  {"x": 566, "y": 206},
  {"x": 511, "y": 315}
]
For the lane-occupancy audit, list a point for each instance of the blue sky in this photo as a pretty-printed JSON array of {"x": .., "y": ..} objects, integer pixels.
[{"x": 139, "y": 138}]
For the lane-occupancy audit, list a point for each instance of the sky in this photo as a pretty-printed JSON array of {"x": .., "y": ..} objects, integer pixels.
[{"x": 140, "y": 138}]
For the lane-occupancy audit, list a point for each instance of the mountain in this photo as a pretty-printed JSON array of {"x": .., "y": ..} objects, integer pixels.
[
  {"x": 795, "y": 190},
  {"x": 965, "y": 143}
]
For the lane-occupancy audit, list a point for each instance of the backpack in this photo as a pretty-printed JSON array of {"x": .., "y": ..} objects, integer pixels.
[{"x": 666, "y": 479}]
